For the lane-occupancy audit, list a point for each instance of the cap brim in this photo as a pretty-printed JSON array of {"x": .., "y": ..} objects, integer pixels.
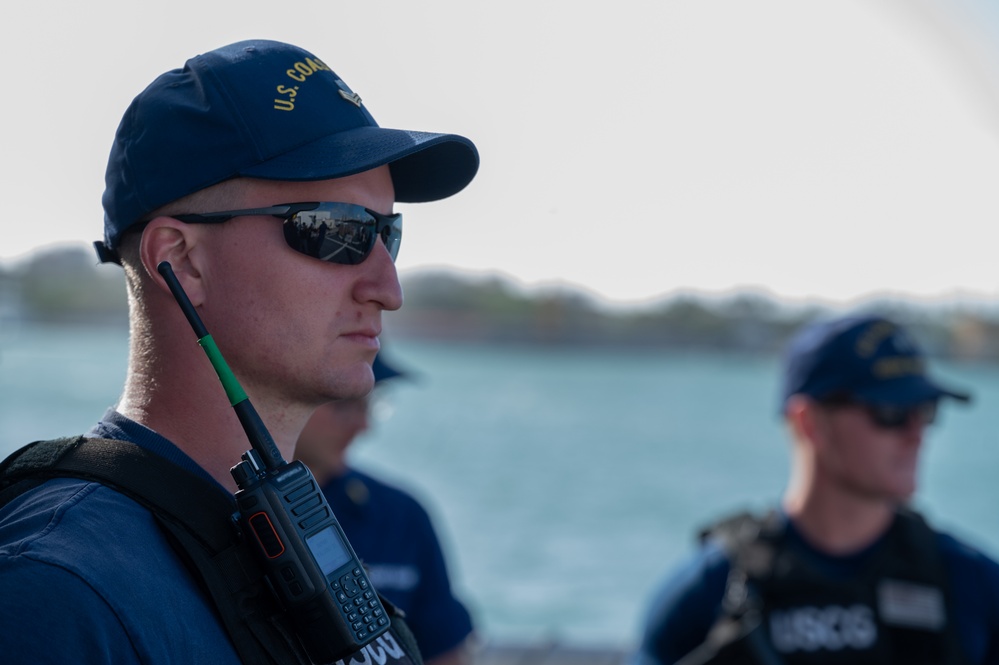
[
  {"x": 909, "y": 391},
  {"x": 425, "y": 166}
]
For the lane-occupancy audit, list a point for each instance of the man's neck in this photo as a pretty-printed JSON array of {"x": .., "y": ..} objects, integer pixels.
[
  {"x": 838, "y": 524},
  {"x": 185, "y": 403}
]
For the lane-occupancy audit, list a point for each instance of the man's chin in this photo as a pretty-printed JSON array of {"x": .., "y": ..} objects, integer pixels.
[
  {"x": 351, "y": 382},
  {"x": 357, "y": 385}
]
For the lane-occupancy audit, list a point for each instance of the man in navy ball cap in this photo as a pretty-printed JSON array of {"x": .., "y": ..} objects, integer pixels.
[
  {"x": 264, "y": 181},
  {"x": 843, "y": 571}
]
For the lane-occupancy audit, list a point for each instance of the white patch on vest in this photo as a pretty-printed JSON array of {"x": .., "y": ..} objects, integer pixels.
[
  {"x": 911, "y": 605},
  {"x": 383, "y": 650},
  {"x": 398, "y": 577},
  {"x": 832, "y": 628}
]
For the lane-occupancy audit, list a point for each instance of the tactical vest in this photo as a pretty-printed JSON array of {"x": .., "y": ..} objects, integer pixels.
[
  {"x": 197, "y": 520},
  {"x": 779, "y": 608}
]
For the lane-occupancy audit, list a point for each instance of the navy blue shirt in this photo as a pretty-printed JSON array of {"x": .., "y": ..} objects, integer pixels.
[
  {"x": 689, "y": 602},
  {"x": 394, "y": 537}
]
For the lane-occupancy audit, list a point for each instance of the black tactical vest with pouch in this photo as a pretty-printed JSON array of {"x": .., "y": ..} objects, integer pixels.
[{"x": 780, "y": 606}]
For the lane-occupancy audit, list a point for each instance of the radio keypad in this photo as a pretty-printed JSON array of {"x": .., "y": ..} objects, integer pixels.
[
  {"x": 349, "y": 586},
  {"x": 364, "y": 615}
]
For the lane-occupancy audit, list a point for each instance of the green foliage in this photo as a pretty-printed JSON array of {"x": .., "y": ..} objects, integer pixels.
[{"x": 65, "y": 286}]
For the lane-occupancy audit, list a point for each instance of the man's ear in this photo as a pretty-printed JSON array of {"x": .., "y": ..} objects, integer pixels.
[
  {"x": 167, "y": 239},
  {"x": 803, "y": 417},
  {"x": 807, "y": 419}
]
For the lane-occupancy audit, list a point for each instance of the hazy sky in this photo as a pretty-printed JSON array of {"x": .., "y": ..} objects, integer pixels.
[{"x": 819, "y": 148}]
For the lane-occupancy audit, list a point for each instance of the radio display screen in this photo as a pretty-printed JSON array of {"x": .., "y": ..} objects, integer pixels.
[{"x": 328, "y": 549}]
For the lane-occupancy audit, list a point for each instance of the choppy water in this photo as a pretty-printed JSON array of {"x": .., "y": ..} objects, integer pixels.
[{"x": 564, "y": 483}]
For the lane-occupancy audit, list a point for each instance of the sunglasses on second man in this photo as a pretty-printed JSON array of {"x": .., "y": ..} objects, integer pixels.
[
  {"x": 890, "y": 416},
  {"x": 340, "y": 233}
]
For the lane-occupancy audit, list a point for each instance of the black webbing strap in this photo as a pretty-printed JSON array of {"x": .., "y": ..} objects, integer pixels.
[
  {"x": 195, "y": 515},
  {"x": 151, "y": 480}
]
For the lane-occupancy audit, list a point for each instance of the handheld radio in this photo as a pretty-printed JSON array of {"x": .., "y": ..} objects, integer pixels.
[{"x": 308, "y": 560}]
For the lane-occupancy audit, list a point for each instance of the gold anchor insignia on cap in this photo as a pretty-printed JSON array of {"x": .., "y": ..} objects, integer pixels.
[{"x": 348, "y": 94}]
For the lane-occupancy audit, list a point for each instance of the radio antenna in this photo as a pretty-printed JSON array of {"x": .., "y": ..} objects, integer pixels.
[{"x": 256, "y": 432}]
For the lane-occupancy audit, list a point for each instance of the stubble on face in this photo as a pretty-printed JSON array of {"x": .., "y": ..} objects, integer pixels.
[
  {"x": 860, "y": 458},
  {"x": 301, "y": 330}
]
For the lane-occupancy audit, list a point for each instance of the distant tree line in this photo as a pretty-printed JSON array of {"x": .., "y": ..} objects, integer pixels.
[
  {"x": 441, "y": 305},
  {"x": 66, "y": 287}
]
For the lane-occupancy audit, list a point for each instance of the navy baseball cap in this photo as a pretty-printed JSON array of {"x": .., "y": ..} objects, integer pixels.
[
  {"x": 262, "y": 109},
  {"x": 863, "y": 358}
]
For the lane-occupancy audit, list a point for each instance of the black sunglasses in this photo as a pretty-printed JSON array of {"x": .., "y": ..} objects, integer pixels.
[
  {"x": 341, "y": 233},
  {"x": 890, "y": 416}
]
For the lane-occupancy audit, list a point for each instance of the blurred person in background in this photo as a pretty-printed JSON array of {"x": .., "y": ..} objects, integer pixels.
[
  {"x": 843, "y": 571},
  {"x": 387, "y": 527}
]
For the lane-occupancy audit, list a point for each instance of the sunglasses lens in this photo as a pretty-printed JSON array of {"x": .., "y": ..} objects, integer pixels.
[
  {"x": 391, "y": 235},
  {"x": 341, "y": 233},
  {"x": 893, "y": 417}
]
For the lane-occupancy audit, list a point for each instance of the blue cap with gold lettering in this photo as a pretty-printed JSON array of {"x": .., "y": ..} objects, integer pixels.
[
  {"x": 262, "y": 109},
  {"x": 862, "y": 358}
]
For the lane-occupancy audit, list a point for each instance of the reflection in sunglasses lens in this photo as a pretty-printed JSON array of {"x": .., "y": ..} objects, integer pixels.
[
  {"x": 343, "y": 234},
  {"x": 347, "y": 243}
]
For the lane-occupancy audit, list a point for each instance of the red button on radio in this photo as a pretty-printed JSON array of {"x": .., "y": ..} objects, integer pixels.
[{"x": 266, "y": 535}]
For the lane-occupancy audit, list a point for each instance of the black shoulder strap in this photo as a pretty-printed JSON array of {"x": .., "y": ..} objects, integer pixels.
[
  {"x": 194, "y": 514},
  {"x": 739, "y": 636},
  {"x": 158, "y": 484},
  {"x": 749, "y": 540}
]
